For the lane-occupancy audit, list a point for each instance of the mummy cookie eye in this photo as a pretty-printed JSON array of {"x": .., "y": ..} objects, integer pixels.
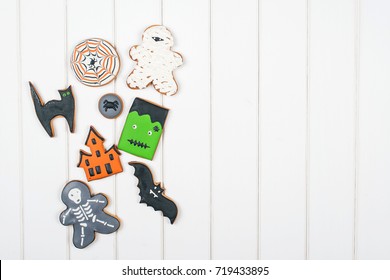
[
  {"x": 134, "y": 126},
  {"x": 157, "y": 39},
  {"x": 149, "y": 132}
]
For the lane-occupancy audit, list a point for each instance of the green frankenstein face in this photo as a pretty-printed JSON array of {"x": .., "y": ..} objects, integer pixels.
[{"x": 143, "y": 129}]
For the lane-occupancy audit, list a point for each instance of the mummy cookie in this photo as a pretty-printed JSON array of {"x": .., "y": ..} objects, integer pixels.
[
  {"x": 85, "y": 212},
  {"x": 95, "y": 62},
  {"x": 155, "y": 61},
  {"x": 151, "y": 193},
  {"x": 99, "y": 163},
  {"x": 143, "y": 128},
  {"x": 46, "y": 112}
]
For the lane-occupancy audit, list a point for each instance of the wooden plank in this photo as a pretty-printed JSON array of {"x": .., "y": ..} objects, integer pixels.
[
  {"x": 234, "y": 92},
  {"x": 332, "y": 129},
  {"x": 373, "y": 223},
  {"x": 140, "y": 236},
  {"x": 44, "y": 158},
  {"x": 282, "y": 129},
  {"x": 187, "y": 134},
  {"x": 91, "y": 19},
  {"x": 10, "y": 209}
]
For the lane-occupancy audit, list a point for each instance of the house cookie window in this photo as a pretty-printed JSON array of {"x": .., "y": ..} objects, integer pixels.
[{"x": 91, "y": 173}]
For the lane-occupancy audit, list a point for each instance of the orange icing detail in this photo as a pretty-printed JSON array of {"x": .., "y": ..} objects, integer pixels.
[{"x": 98, "y": 164}]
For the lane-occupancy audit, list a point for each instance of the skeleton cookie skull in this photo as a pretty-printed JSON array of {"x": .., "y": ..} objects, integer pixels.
[
  {"x": 85, "y": 213},
  {"x": 155, "y": 61}
]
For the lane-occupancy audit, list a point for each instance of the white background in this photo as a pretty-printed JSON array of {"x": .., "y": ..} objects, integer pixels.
[{"x": 277, "y": 145}]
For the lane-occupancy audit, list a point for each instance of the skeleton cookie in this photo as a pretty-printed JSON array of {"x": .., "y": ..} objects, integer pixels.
[
  {"x": 85, "y": 213},
  {"x": 155, "y": 61}
]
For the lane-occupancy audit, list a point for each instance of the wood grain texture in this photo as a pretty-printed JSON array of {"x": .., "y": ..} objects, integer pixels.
[
  {"x": 332, "y": 129},
  {"x": 276, "y": 145},
  {"x": 10, "y": 164},
  {"x": 373, "y": 223},
  {"x": 141, "y": 235},
  {"x": 283, "y": 129},
  {"x": 234, "y": 147},
  {"x": 90, "y": 19},
  {"x": 44, "y": 159},
  {"x": 187, "y": 133}
]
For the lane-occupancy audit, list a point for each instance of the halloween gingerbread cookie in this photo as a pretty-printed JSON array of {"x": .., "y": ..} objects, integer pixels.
[
  {"x": 86, "y": 213},
  {"x": 151, "y": 193},
  {"x": 95, "y": 62},
  {"x": 100, "y": 163},
  {"x": 110, "y": 105},
  {"x": 143, "y": 128},
  {"x": 46, "y": 112},
  {"x": 155, "y": 61}
]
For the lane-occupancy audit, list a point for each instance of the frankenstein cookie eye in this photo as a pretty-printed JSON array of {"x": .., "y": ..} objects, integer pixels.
[
  {"x": 134, "y": 126},
  {"x": 149, "y": 132}
]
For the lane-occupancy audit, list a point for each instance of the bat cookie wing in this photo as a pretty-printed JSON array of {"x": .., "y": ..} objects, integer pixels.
[{"x": 152, "y": 194}]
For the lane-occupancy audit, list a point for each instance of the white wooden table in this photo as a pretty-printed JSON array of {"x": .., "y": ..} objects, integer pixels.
[{"x": 277, "y": 145}]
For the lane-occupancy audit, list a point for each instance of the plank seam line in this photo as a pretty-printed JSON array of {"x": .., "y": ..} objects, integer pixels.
[
  {"x": 307, "y": 149},
  {"x": 20, "y": 133},
  {"x": 211, "y": 136},
  {"x": 162, "y": 154},
  {"x": 115, "y": 243},
  {"x": 68, "y": 230},
  {"x": 356, "y": 144},
  {"x": 259, "y": 142}
]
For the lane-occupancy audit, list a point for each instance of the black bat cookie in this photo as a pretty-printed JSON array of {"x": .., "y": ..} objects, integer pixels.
[
  {"x": 153, "y": 194},
  {"x": 54, "y": 108}
]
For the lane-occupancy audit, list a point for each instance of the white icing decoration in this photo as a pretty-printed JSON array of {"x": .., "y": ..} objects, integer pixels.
[{"x": 155, "y": 61}]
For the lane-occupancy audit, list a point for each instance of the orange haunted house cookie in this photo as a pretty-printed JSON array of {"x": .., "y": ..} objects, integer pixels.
[{"x": 99, "y": 163}]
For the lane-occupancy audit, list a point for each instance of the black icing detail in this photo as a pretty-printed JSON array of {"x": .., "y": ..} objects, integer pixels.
[
  {"x": 98, "y": 170},
  {"x": 110, "y": 105},
  {"x": 93, "y": 141},
  {"x": 92, "y": 63},
  {"x": 98, "y": 153},
  {"x": 91, "y": 172},
  {"x": 151, "y": 193},
  {"x": 138, "y": 143},
  {"x": 108, "y": 168},
  {"x": 156, "y": 113},
  {"x": 156, "y": 129},
  {"x": 157, "y": 39},
  {"x": 87, "y": 162},
  {"x": 111, "y": 157},
  {"x": 54, "y": 108}
]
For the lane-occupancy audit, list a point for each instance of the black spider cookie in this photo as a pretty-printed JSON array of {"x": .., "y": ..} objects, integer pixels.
[{"x": 110, "y": 105}]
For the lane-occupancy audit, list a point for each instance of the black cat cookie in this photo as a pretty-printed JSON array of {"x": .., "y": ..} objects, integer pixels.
[
  {"x": 85, "y": 212},
  {"x": 46, "y": 112},
  {"x": 151, "y": 193}
]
